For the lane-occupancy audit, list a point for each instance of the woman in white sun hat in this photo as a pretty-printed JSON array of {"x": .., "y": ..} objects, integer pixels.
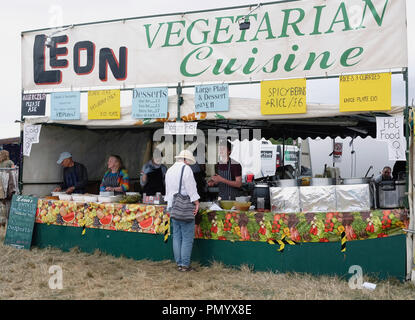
[{"x": 180, "y": 183}]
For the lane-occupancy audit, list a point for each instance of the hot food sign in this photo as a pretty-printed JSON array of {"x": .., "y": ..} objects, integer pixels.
[{"x": 294, "y": 39}]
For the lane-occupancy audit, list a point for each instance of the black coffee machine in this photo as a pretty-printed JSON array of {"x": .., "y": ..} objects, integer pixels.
[{"x": 261, "y": 190}]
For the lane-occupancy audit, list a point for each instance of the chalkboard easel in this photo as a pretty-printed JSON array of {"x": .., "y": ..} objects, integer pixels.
[{"x": 21, "y": 221}]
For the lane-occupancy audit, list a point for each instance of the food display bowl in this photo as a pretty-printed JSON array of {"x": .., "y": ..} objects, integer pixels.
[
  {"x": 242, "y": 206},
  {"x": 227, "y": 204}
]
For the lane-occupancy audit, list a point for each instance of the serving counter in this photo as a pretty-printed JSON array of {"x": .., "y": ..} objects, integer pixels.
[{"x": 280, "y": 242}]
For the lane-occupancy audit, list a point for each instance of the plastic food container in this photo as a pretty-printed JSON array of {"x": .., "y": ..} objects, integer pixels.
[
  {"x": 78, "y": 197},
  {"x": 90, "y": 198},
  {"x": 65, "y": 197}
]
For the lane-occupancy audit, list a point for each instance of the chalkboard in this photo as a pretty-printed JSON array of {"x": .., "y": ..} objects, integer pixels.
[{"x": 21, "y": 220}]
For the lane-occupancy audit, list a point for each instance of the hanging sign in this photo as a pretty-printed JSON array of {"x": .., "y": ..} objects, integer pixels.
[
  {"x": 21, "y": 221},
  {"x": 104, "y": 104},
  {"x": 31, "y": 133},
  {"x": 365, "y": 92},
  {"x": 33, "y": 104},
  {"x": 150, "y": 103},
  {"x": 390, "y": 130},
  {"x": 212, "y": 98},
  {"x": 283, "y": 96},
  {"x": 286, "y": 40},
  {"x": 337, "y": 152},
  {"x": 65, "y": 105},
  {"x": 180, "y": 128}
]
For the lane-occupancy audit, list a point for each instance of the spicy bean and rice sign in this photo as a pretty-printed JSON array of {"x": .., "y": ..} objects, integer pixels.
[{"x": 286, "y": 40}]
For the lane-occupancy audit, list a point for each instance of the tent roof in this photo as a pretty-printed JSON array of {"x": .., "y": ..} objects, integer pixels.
[{"x": 321, "y": 120}]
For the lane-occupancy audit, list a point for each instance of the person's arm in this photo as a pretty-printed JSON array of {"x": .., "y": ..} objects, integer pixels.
[
  {"x": 237, "y": 183},
  {"x": 124, "y": 182},
  {"x": 143, "y": 175}
]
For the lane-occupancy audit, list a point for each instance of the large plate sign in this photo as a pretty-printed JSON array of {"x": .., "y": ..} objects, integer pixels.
[{"x": 21, "y": 220}]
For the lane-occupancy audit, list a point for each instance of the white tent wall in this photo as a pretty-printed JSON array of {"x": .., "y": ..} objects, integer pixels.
[{"x": 89, "y": 147}]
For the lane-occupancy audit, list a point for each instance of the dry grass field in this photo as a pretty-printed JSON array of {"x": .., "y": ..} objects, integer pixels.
[{"x": 24, "y": 274}]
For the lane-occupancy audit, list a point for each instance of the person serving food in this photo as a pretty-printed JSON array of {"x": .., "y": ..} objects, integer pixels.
[
  {"x": 116, "y": 177},
  {"x": 228, "y": 175}
]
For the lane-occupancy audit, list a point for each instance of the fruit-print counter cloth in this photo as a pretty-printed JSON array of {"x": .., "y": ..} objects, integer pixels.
[
  {"x": 110, "y": 216},
  {"x": 299, "y": 227}
]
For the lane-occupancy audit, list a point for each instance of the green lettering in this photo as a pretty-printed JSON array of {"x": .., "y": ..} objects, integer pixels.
[
  {"x": 275, "y": 60},
  {"x": 247, "y": 69},
  {"x": 345, "y": 20},
  {"x": 219, "y": 28},
  {"x": 290, "y": 60},
  {"x": 268, "y": 28},
  {"x": 323, "y": 63},
  {"x": 228, "y": 68},
  {"x": 379, "y": 20},
  {"x": 150, "y": 42},
  {"x": 170, "y": 32},
  {"x": 198, "y": 55},
  {"x": 347, "y": 55},
  {"x": 190, "y": 30},
  {"x": 317, "y": 20},
  {"x": 293, "y": 25}
]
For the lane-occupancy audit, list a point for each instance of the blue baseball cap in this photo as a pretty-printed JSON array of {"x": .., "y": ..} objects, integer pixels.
[{"x": 63, "y": 156}]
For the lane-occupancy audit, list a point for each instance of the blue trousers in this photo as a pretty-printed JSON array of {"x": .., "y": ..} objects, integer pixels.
[{"x": 183, "y": 235}]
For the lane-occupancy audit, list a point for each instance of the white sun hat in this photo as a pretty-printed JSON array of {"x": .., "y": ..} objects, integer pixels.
[{"x": 186, "y": 154}]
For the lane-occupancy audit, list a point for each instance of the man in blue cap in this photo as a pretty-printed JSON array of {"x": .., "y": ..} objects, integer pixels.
[{"x": 75, "y": 175}]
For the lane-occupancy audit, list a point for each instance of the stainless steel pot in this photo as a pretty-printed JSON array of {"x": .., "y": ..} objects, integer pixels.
[
  {"x": 261, "y": 190},
  {"x": 322, "y": 181},
  {"x": 356, "y": 180},
  {"x": 401, "y": 190},
  {"x": 388, "y": 195},
  {"x": 287, "y": 183}
]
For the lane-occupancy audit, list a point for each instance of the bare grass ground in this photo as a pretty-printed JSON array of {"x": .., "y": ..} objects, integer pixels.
[{"x": 24, "y": 274}]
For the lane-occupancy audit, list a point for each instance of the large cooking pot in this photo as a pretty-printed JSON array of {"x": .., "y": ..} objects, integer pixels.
[
  {"x": 356, "y": 180},
  {"x": 261, "y": 190},
  {"x": 388, "y": 195},
  {"x": 322, "y": 181},
  {"x": 282, "y": 183},
  {"x": 401, "y": 190}
]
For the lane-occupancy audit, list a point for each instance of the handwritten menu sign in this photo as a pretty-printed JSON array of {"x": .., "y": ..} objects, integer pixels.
[
  {"x": 390, "y": 130},
  {"x": 365, "y": 92},
  {"x": 150, "y": 103},
  {"x": 180, "y": 128},
  {"x": 65, "y": 105},
  {"x": 31, "y": 133},
  {"x": 212, "y": 98},
  {"x": 283, "y": 96},
  {"x": 21, "y": 220},
  {"x": 33, "y": 104},
  {"x": 104, "y": 104}
]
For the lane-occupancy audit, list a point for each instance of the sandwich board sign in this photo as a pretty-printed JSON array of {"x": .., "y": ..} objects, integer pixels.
[{"x": 21, "y": 221}]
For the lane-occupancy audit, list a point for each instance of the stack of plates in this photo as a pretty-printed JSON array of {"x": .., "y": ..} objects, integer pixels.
[
  {"x": 66, "y": 197},
  {"x": 78, "y": 197}
]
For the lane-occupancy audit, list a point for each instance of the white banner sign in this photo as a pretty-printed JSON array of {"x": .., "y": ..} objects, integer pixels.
[
  {"x": 295, "y": 39},
  {"x": 180, "y": 128},
  {"x": 390, "y": 130}
]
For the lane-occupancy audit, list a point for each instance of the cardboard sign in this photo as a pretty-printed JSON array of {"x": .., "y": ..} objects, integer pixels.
[
  {"x": 365, "y": 92},
  {"x": 283, "y": 96},
  {"x": 104, "y": 104},
  {"x": 65, "y": 105},
  {"x": 150, "y": 103},
  {"x": 390, "y": 130},
  {"x": 34, "y": 104},
  {"x": 31, "y": 135},
  {"x": 21, "y": 221},
  {"x": 212, "y": 98}
]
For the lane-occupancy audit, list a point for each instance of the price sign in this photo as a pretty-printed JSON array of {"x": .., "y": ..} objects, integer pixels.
[
  {"x": 150, "y": 103},
  {"x": 104, "y": 104},
  {"x": 365, "y": 92},
  {"x": 283, "y": 96},
  {"x": 65, "y": 105},
  {"x": 212, "y": 98}
]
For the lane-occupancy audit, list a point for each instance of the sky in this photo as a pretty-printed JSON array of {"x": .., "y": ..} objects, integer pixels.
[{"x": 22, "y": 15}]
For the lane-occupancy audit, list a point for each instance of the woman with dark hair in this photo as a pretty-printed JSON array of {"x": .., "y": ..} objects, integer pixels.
[{"x": 116, "y": 177}]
